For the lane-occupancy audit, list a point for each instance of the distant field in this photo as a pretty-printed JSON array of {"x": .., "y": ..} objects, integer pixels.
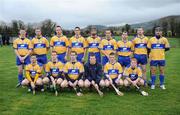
[{"x": 16, "y": 101}]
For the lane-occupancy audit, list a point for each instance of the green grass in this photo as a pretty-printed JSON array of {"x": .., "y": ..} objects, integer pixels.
[{"x": 17, "y": 101}]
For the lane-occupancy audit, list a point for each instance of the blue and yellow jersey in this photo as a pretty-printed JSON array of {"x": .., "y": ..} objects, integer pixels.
[
  {"x": 157, "y": 47},
  {"x": 140, "y": 45},
  {"x": 113, "y": 70},
  {"x": 22, "y": 46},
  {"x": 40, "y": 46},
  {"x": 77, "y": 44},
  {"x": 54, "y": 68},
  {"x": 93, "y": 44},
  {"x": 59, "y": 45},
  {"x": 33, "y": 70},
  {"x": 133, "y": 74},
  {"x": 73, "y": 70},
  {"x": 124, "y": 48},
  {"x": 108, "y": 45}
]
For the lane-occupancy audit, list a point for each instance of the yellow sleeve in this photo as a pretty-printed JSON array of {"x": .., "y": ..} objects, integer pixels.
[
  {"x": 70, "y": 42},
  {"x": 81, "y": 68},
  {"x": 149, "y": 44},
  {"x": 166, "y": 44},
  {"x": 101, "y": 45},
  {"x": 39, "y": 70},
  {"x": 139, "y": 72},
  {"x": 27, "y": 68},
  {"x": 115, "y": 44},
  {"x": 85, "y": 43},
  {"x": 51, "y": 42},
  {"x": 126, "y": 72},
  {"x": 147, "y": 39},
  {"x": 28, "y": 76},
  {"x": 47, "y": 67},
  {"x": 120, "y": 69},
  {"x": 30, "y": 45},
  {"x": 132, "y": 46},
  {"x": 14, "y": 44},
  {"x": 47, "y": 43},
  {"x": 67, "y": 42},
  {"x": 61, "y": 65},
  {"x": 106, "y": 69},
  {"x": 36, "y": 77},
  {"x": 65, "y": 69}
]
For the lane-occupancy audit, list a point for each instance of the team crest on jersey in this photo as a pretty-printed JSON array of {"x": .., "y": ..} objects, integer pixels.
[
  {"x": 112, "y": 71},
  {"x": 73, "y": 71},
  {"x": 22, "y": 46},
  {"x": 133, "y": 76},
  {"x": 33, "y": 73},
  {"x": 93, "y": 45},
  {"x": 108, "y": 47}
]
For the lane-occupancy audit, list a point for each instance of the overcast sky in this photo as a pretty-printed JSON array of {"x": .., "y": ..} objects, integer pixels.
[{"x": 70, "y": 13}]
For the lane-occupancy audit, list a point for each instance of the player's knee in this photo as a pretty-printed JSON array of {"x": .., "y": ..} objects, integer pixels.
[
  {"x": 59, "y": 81},
  {"x": 87, "y": 83},
  {"x": 153, "y": 71},
  {"x": 162, "y": 71},
  {"x": 80, "y": 83},
  {"x": 126, "y": 83},
  {"x": 121, "y": 82},
  {"x": 64, "y": 84},
  {"x": 141, "y": 82},
  {"x": 102, "y": 83},
  {"x": 45, "y": 80},
  {"x": 25, "y": 82},
  {"x": 20, "y": 71},
  {"x": 39, "y": 82},
  {"x": 107, "y": 83}
]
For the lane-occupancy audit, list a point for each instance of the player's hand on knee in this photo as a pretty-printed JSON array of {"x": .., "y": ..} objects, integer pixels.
[{"x": 33, "y": 85}]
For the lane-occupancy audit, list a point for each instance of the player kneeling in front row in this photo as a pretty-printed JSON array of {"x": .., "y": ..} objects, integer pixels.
[
  {"x": 54, "y": 70},
  {"x": 93, "y": 74},
  {"x": 73, "y": 71},
  {"x": 133, "y": 75},
  {"x": 113, "y": 73},
  {"x": 33, "y": 73}
]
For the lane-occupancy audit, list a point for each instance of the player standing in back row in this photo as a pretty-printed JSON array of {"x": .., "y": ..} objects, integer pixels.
[
  {"x": 157, "y": 46},
  {"x": 140, "y": 51}
]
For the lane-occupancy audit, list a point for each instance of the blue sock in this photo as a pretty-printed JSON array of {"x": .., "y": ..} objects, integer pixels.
[
  {"x": 153, "y": 79},
  {"x": 20, "y": 77},
  {"x": 161, "y": 79}
]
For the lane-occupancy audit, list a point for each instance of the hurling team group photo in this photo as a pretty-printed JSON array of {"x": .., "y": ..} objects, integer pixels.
[
  {"x": 89, "y": 57},
  {"x": 110, "y": 64}
]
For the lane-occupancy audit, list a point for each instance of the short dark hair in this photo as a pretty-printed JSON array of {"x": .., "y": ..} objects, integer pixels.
[
  {"x": 53, "y": 52},
  {"x": 124, "y": 32},
  {"x": 92, "y": 55},
  {"x": 74, "y": 52},
  {"x": 112, "y": 54},
  {"x": 37, "y": 28},
  {"x": 93, "y": 28},
  {"x": 59, "y": 27},
  {"x": 77, "y": 28},
  {"x": 133, "y": 59},
  {"x": 108, "y": 30},
  {"x": 158, "y": 28},
  {"x": 33, "y": 55}
]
